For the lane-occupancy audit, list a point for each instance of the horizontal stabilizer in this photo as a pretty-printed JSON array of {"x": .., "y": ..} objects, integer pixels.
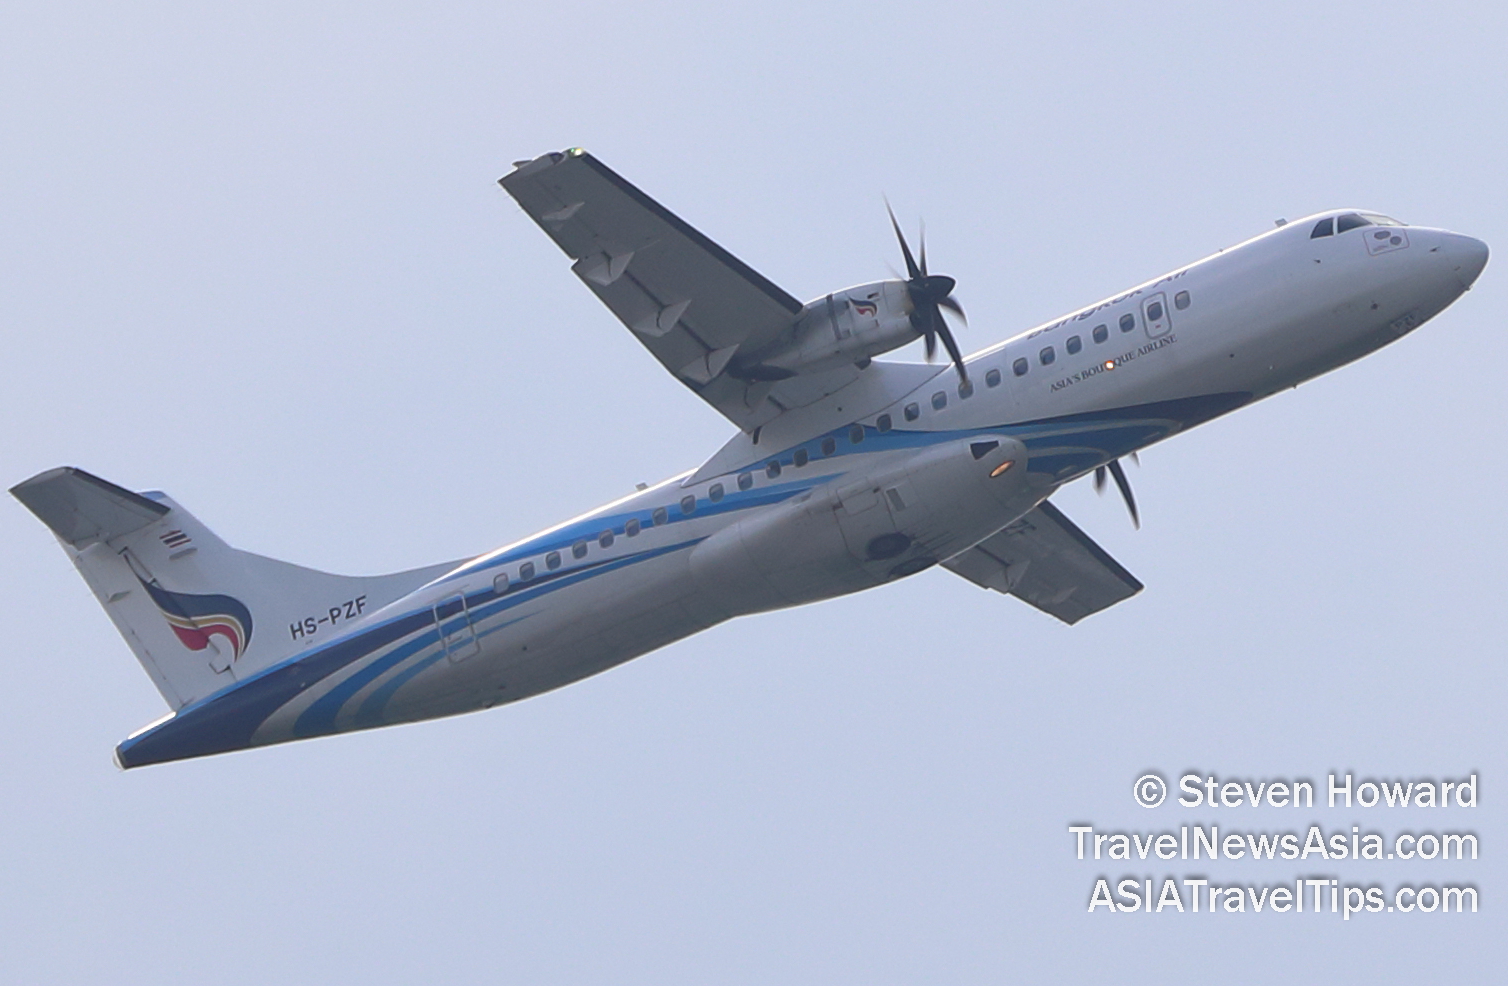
[
  {"x": 82, "y": 509},
  {"x": 1045, "y": 560}
]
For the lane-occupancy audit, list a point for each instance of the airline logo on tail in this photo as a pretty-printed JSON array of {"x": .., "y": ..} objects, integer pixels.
[{"x": 196, "y": 618}]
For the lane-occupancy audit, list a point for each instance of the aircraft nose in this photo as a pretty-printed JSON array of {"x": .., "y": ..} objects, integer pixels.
[{"x": 1467, "y": 256}]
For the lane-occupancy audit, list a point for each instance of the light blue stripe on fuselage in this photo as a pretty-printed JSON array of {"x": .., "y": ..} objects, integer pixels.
[
  {"x": 1063, "y": 447},
  {"x": 321, "y": 715}
]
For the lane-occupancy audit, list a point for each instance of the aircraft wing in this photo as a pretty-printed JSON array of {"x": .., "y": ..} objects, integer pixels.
[
  {"x": 1045, "y": 560},
  {"x": 690, "y": 302}
]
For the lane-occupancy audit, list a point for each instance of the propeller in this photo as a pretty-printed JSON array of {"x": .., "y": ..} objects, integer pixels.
[
  {"x": 930, "y": 293},
  {"x": 1122, "y": 483}
]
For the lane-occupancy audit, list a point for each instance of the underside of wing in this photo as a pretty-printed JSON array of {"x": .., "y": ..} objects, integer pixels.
[
  {"x": 691, "y": 303},
  {"x": 1045, "y": 560}
]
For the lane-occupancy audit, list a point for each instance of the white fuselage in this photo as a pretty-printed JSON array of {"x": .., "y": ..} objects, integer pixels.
[{"x": 879, "y": 480}]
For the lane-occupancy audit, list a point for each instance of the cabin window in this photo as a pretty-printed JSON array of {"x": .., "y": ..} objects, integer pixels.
[
  {"x": 1101, "y": 333},
  {"x": 688, "y": 504},
  {"x": 1154, "y": 311},
  {"x": 526, "y": 571},
  {"x": 992, "y": 378},
  {"x": 855, "y": 434},
  {"x": 1181, "y": 300},
  {"x": 772, "y": 468},
  {"x": 939, "y": 400},
  {"x": 632, "y": 528},
  {"x": 745, "y": 480},
  {"x": 912, "y": 412},
  {"x": 1128, "y": 322},
  {"x": 1325, "y": 227},
  {"x": 829, "y": 446},
  {"x": 1350, "y": 221},
  {"x": 1073, "y": 345},
  {"x": 605, "y": 539},
  {"x": 1046, "y": 356},
  {"x": 552, "y": 560},
  {"x": 661, "y": 516},
  {"x": 882, "y": 423},
  {"x": 500, "y": 584},
  {"x": 800, "y": 458},
  {"x": 578, "y": 550},
  {"x": 1019, "y": 367},
  {"x": 965, "y": 389},
  {"x": 715, "y": 494}
]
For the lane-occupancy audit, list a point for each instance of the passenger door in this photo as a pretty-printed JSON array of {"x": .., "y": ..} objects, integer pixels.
[{"x": 453, "y": 621}]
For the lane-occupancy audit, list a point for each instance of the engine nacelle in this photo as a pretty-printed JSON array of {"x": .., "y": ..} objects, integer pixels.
[{"x": 848, "y": 326}]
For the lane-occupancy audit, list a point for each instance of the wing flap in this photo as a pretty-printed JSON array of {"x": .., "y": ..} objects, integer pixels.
[{"x": 1045, "y": 560}]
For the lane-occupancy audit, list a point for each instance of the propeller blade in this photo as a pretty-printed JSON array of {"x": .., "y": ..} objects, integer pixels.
[
  {"x": 952, "y": 305},
  {"x": 948, "y": 341},
  {"x": 929, "y": 294},
  {"x": 1119, "y": 475},
  {"x": 912, "y": 271}
]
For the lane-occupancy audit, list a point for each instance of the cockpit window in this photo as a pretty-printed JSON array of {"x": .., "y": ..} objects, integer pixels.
[
  {"x": 1325, "y": 227},
  {"x": 1381, "y": 220},
  {"x": 1349, "y": 221}
]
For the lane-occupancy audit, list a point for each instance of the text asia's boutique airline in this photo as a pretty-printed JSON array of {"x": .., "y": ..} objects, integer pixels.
[{"x": 846, "y": 472}]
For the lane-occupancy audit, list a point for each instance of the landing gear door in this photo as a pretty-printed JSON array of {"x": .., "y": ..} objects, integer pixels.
[
  {"x": 1155, "y": 315},
  {"x": 863, "y": 519}
]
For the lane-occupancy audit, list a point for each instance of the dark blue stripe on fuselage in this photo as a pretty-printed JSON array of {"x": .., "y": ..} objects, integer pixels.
[
  {"x": 319, "y": 718},
  {"x": 1113, "y": 431},
  {"x": 227, "y": 720},
  {"x": 1063, "y": 446}
]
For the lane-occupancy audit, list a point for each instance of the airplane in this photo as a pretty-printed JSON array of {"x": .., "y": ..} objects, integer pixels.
[{"x": 845, "y": 472}]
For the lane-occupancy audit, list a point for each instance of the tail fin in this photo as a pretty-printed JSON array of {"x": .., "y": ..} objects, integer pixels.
[{"x": 199, "y": 614}]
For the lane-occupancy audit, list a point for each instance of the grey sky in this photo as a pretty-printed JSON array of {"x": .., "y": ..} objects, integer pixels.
[{"x": 259, "y": 260}]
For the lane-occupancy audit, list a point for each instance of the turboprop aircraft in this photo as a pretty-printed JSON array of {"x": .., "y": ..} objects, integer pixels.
[{"x": 845, "y": 472}]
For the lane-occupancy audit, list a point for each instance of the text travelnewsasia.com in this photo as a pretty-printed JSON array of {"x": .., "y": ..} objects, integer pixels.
[{"x": 1282, "y": 845}]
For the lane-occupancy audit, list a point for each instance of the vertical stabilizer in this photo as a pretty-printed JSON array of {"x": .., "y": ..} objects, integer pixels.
[{"x": 199, "y": 614}]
